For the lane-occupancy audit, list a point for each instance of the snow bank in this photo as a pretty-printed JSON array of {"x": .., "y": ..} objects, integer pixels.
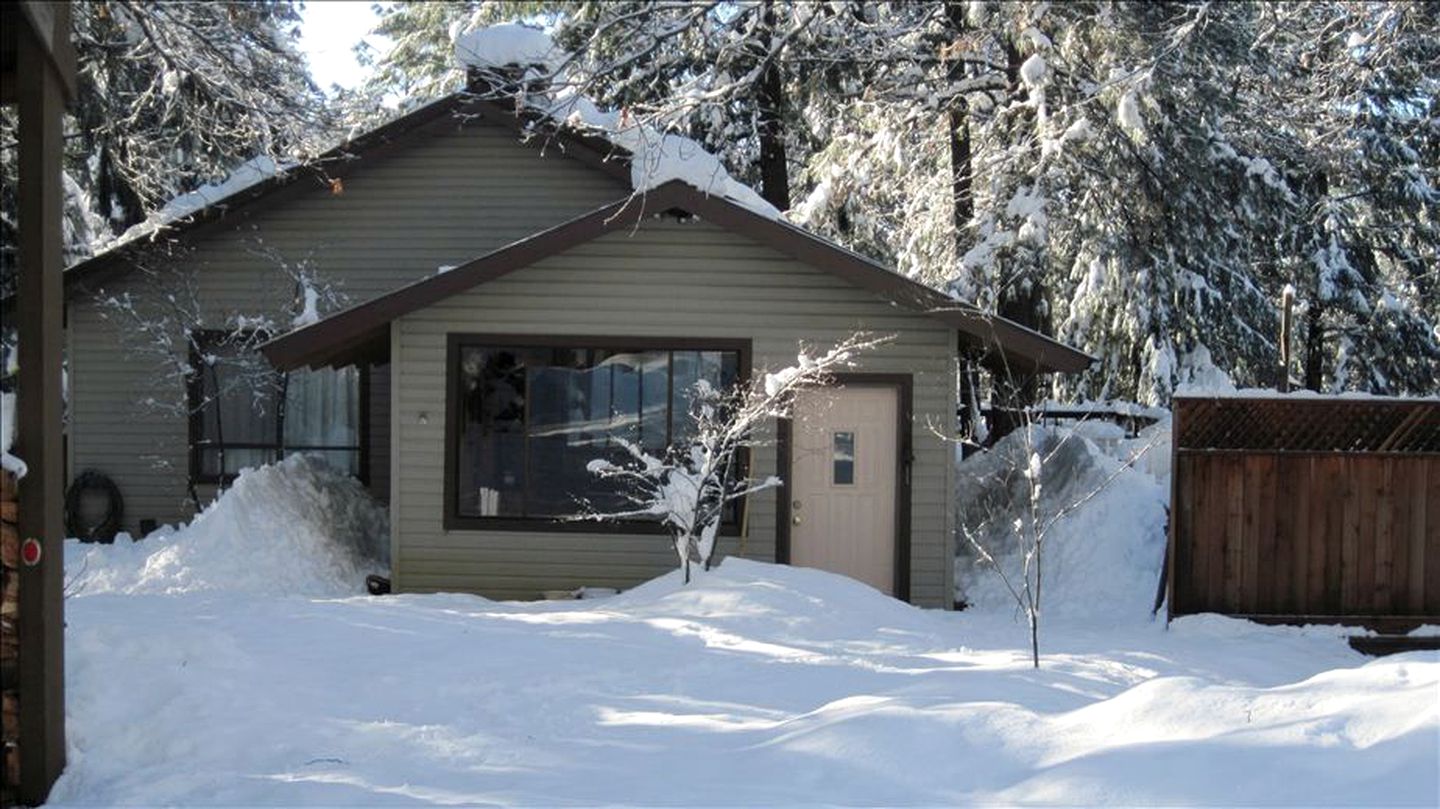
[
  {"x": 822, "y": 691},
  {"x": 298, "y": 527},
  {"x": 656, "y": 157},
  {"x": 1101, "y": 561}
]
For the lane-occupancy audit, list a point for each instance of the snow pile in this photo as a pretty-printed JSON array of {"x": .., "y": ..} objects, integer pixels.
[
  {"x": 7, "y": 436},
  {"x": 1199, "y": 375},
  {"x": 819, "y": 689},
  {"x": 298, "y": 527},
  {"x": 1102, "y": 560},
  {"x": 656, "y": 157},
  {"x": 508, "y": 44}
]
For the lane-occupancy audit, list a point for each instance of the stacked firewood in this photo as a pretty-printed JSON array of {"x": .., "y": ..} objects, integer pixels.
[{"x": 9, "y": 637}]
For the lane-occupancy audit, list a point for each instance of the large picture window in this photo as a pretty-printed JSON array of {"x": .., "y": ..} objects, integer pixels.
[
  {"x": 244, "y": 415},
  {"x": 527, "y": 417}
]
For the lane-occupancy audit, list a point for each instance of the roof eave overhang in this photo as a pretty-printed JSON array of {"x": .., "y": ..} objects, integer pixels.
[{"x": 1002, "y": 344}]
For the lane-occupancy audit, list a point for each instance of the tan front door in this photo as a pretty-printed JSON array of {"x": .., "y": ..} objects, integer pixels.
[{"x": 842, "y": 482}]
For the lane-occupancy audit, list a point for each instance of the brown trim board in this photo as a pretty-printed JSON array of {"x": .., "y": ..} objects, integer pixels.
[
  {"x": 1019, "y": 349},
  {"x": 904, "y": 385}
]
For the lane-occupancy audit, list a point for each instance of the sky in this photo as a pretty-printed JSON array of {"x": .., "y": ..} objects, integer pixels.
[{"x": 328, "y": 35}]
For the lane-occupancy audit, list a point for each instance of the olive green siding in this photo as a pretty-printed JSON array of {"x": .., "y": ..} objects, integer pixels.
[
  {"x": 662, "y": 279},
  {"x": 454, "y": 193}
]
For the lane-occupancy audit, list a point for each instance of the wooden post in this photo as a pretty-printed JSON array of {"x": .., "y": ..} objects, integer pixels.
[{"x": 42, "y": 53}]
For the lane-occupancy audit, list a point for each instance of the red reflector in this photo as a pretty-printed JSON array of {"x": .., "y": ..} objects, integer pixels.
[{"x": 30, "y": 552}]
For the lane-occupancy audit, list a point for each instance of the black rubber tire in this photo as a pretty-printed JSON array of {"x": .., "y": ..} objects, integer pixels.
[{"x": 107, "y": 528}]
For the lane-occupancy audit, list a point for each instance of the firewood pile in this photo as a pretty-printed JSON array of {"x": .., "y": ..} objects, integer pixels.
[{"x": 9, "y": 636}]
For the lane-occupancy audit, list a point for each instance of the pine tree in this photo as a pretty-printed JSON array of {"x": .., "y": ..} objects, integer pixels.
[
  {"x": 171, "y": 96},
  {"x": 1144, "y": 179}
]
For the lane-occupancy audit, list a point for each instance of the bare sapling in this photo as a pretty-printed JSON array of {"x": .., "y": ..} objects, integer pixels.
[
  {"x": 689, "y": 486},
  {"x": 1022, "y": 522}
]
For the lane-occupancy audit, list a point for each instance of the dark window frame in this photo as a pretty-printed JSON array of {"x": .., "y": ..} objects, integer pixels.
[
  {"x": 195, "y": 391},
  {"x": 452, "y": 520}
]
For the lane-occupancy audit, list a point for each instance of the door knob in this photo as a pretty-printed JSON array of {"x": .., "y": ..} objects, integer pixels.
[{"x": 795, "y": 520}]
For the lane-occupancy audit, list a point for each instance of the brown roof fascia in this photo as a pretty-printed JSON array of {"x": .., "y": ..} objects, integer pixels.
[
  {"x": 1023, "y": 350},
  {"x": 346, "y": 158},
  {"x": 1020, "y": 350}
]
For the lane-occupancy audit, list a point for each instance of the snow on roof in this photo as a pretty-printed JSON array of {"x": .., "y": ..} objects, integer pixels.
[
  {"x": 1197, "y": 392},
  {"x": 247, "y": 175},
  {"x": 656, "y": 157}
]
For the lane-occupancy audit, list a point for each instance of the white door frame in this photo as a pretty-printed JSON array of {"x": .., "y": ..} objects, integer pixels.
[{"x": 903, "y": 384}]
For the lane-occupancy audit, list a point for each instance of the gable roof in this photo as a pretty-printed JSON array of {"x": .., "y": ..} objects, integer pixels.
[
  {"x": 363, "y": 330},
  {"x": 342, "y": 160}
]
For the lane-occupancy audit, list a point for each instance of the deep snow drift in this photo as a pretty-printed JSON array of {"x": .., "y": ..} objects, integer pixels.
[
  {"x": 757, "y": 684},
  {"x": 296, "y": 527},
  {"x": 215, "y": 665}
]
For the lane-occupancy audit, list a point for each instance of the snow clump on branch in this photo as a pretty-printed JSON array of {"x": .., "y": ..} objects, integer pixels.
[{"x": 656, "y": 157}]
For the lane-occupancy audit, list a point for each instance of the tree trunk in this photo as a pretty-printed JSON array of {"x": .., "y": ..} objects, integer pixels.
[
  {"x": 960, "y": 173},
  {"x": 1034, "y": 640},
  {"x": 1319, "y": 187},
  {"x": 959, "y": 127},
  {"x": 1314, "y": 345},
  {"x": 774, "y": 169}
]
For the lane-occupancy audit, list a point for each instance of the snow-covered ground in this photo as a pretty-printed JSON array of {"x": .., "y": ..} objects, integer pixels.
[{"x": 193, "y": 682}]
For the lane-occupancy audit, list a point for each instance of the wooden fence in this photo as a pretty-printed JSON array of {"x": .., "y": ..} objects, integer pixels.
[{"x": 1307, "y": 509}]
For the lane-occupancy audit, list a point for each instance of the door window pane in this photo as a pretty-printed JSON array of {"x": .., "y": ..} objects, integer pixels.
[{"x": 843, "y": 458}]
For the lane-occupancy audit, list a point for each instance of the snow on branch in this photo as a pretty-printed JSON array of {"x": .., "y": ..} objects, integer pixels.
[{"x": 525, "y": 62}]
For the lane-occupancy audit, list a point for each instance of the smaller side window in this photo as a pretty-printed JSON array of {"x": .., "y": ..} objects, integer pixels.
[
  {"x": 244, "y": 414},
  {"x": 234, "y": 402}
]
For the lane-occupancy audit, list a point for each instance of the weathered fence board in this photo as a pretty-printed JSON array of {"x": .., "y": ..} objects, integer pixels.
[{"x": 1291, "y": 509}]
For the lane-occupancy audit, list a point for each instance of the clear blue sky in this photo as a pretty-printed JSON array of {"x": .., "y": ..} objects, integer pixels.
[{"x": 328, "y": 35}]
